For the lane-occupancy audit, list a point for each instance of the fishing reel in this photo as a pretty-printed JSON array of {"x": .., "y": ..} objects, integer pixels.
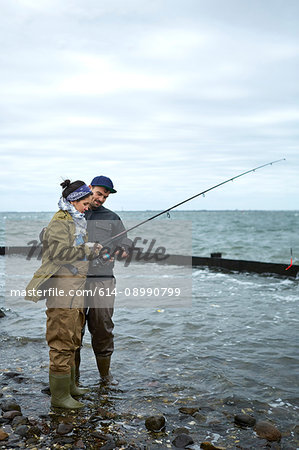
[
  {"x": 102, "y": 260},
  {"x": 107, "y": 257}
]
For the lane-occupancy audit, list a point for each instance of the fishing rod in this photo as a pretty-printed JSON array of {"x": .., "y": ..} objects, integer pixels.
[{"x": 187, "y": 200}]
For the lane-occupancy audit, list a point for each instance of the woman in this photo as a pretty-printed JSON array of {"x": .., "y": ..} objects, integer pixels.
[{"x": 60, "y": 280}]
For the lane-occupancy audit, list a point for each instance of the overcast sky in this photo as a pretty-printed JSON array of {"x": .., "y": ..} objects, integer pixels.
[{"x": 167, "y": 97}]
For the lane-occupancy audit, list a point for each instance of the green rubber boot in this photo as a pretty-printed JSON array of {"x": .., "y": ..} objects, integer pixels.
[
  {"x": 60, "y": 392},
  {"x": 74, "y": 389}
]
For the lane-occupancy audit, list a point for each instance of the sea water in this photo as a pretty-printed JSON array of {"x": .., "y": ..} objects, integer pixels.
[{"x": 233, "y": 348}]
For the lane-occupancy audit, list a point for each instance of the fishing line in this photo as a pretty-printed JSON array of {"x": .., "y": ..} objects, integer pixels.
[{"x": 188, "y": 199}]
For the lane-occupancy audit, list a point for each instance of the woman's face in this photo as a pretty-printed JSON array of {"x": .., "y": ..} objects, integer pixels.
[{"x": 82, "y": 205}]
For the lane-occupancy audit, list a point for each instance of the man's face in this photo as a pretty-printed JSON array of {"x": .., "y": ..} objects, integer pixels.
[{"x": 100, "y": 194}]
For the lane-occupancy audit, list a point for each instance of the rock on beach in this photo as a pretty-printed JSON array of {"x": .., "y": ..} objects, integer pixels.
[
  {"x": 19, "y": 420},
  {"x": 22, "y": 430},
  {"x": 3, "y": 435},
  {"x": 64, "y": 428},
  {"x": 10, "y": 405},
  {"x": 188, "y": 410},
  {"x": 11, "y": 414},
  {"x": 155, "y": 423},
  {"x": 209, "y": 446},
  {"x": 244, "y": 420},
  {"x": 182, "y": 440},
  {"x": 266, "y": 430}
]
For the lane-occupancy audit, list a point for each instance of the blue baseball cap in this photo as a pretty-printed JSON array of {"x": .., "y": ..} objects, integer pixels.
[{"x": 104, "y": 182}]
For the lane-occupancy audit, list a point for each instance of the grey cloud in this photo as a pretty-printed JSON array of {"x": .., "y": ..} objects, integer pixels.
[{"x": 150, "y": 93}]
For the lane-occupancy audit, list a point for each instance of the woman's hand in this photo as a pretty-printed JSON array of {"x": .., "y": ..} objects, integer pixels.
[{"x": 95, "y": 247}]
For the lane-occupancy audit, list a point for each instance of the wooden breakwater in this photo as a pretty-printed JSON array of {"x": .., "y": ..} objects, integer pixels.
[
  {"x": 240, "y": 265},
  {"x": 214, "y": 261}
]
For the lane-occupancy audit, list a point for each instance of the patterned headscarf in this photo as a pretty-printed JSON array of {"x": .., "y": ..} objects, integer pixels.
[
  {"x": 77, "y": 217},
  {"x": 78, "y": 193}
]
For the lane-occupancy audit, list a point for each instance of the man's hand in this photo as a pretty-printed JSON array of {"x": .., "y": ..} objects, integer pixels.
[{"x": 123, "y": 254}]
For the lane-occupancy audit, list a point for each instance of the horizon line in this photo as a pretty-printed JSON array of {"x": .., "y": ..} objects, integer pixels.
[{"x": 177, "y": 210}]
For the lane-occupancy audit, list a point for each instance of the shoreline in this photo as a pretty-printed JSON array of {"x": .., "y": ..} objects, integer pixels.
[{"x": 110, "y": 421}]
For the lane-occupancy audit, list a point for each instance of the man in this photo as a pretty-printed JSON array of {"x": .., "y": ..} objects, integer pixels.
[{"x": 102, "y": 224}]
